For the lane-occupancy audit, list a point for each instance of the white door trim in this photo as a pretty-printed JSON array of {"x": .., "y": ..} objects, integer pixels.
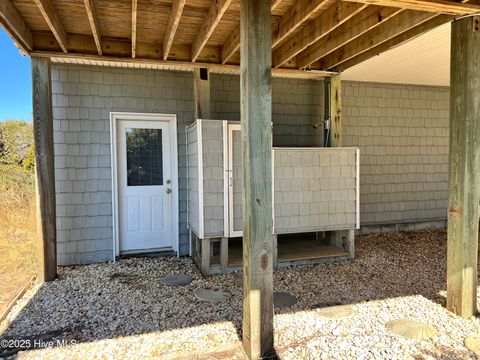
[
  {"x": 172, "y": 119},
  {"x": 231, "y": 129}
]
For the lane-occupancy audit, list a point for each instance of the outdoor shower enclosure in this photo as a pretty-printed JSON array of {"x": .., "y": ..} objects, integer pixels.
[{"x": 315, "y": 190}]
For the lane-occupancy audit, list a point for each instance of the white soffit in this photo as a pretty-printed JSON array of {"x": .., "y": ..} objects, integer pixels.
[{"x": 424, "y": 60}]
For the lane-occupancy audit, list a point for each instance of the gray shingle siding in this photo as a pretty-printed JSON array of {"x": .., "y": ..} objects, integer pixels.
[{"x": 402, "y": 133}]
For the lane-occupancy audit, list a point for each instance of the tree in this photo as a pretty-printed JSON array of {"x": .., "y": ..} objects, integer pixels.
[{"x": 16, "y": 144}]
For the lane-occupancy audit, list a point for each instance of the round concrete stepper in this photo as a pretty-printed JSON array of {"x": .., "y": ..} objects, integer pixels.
[
  {"x": 176, "y": 280},
  {"x": 213, "y": 296},
  {"x": 283, "y": 300},
  {"x": 472, "y": 343},
  {"x": 412, "y": 329},
  {"x": 336, "y": 312}
]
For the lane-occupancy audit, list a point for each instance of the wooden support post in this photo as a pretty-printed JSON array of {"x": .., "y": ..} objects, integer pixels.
[
  {"x": 201, "y": 85},
  {"x": 44, "y": 169},
  {"x": 256, "y": 119},
  {"x": 224, "y": 253},
  {"x": 205, "y": 257},
  {"x": 464, "y": 167}
]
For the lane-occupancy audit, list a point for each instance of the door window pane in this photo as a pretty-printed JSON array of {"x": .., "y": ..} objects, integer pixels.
[{"x": 144, "y": 157}]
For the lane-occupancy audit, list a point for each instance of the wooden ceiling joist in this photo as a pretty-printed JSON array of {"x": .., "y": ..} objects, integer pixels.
[
  {"x": 50, "y": 15},
  {"x": 404, "y": 21},
  {"x": 134, "y": 27},
  {"x": 361, "y": 23},
  {"x": 395, "y": 41},
  {"x": 275, "y": 4},
  {"x": 214, "y": 16},
  {"x": 93, "y": 20},
  {"x": 14, "y": 24},
  {"x": 337, "y": 14},
  {"x": 295, "y": 16},
  {"x": 173, "y": 20},
  {"x": 435, "y": 6}
]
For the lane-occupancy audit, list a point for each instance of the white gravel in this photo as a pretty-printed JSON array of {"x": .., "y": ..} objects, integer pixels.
[{"x": 122, "y": 310}]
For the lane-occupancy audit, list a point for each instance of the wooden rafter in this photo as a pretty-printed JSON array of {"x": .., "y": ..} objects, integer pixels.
[
  {"x": 295, "y": 16},
  {"x": 329, "y": 20},
  {"x": 93, "y": 20},
  {"x": 214, "y": 16},
  {"x": 395, "y": 41},
  {"x": 14, "y": 24},
  {"x": 275, "y": 4},
  {"x": 403, "y": 22},
  {"x": 134, "y": 27},
  {"x": 50, "y": 15},
  {"x": 435, "y": 6},
  {"x": 173, "y": 20},
  {"x": 363, "y": 22}
]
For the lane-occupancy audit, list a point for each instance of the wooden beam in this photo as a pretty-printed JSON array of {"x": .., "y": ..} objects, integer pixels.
[
  {"x": 49, "y": 13},
  {"x": 134, "y": 27},
  {"x": 15, "y": 25},
  {"x": 435, "y": 6},
  {"x": 295, "y": 16},
  {"x": 93, "y": 20},
  {"x": 275, "y": 4},
  {"x": 360, "y": 24},
  {"x": 256, "y": 119},
  {"x": 335, "y": 87},
  {"x": 44, "y": 169},
  {"x": 337, "y": 14},
  {"x": 464, "y": 167},
  {"x": 201, "y": 90},
  {"x": 173, "y": 21},
  {"x": 405, "y": 21},
  {"x": 214, "y": 16},
  {"x": 395, "y": 41}
]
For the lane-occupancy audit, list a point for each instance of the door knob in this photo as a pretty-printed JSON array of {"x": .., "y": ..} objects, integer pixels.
[{"x": 168, "y": 190}]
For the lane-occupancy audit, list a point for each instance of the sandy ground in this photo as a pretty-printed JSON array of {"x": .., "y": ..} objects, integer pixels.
[{"x": 122, "y": 310}]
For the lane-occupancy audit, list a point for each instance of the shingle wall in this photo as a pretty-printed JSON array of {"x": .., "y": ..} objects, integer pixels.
[
  {"x": 83, "y": 97},
  {"x": 402, "y": 133}
]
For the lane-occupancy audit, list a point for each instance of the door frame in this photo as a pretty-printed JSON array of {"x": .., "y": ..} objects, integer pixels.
[
  {"x": 115, "y": 117},
  {"x": 231, "y": 128}
]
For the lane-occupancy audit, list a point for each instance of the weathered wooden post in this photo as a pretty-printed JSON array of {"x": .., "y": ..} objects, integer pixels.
[
  {"x": 201, "y": 89},
  {"x": 464, "y": 167},
  {"x": 44, "y": 169},
  {"x": 256, "y": 117}
]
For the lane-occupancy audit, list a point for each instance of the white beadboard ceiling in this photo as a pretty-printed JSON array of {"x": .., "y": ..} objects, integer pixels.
[{"x": 424, "y": 60}]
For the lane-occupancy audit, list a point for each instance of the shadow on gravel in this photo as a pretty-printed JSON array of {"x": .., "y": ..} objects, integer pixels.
[{"x": 106, "y": 301}]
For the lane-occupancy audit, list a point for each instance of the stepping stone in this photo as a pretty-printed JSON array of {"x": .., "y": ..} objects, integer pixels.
[
  {"x": 283, "y": 300},
  {"x": 472, "y": 343},
  {"x": 213, "y": 296},
  {"x": 176, "y": 280},
  {"x": 412, "y": 329},
  {"x": 336, "y": 312}
]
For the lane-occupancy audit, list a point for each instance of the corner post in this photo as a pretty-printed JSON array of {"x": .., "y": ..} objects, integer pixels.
[
  {"x": 463, "y": 167},
  {"x": 44, "y": 169},
  {"x": 256, "y": 118}
]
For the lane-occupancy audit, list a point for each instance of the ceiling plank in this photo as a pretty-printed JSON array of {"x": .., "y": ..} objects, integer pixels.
[
  {"x": 134, "y": 27},
  {"x": 403, "y": 22},
  {"x": 14, "y": 24},
  {"x": 395, "y": 41},
  {"x": 275, "y": 4},
  {"x": 173, "y": 20},
  {"x": 363, "y": 22},
  {"x": 329, "y": 20},
  {"x": 214, "y": 16},
  {"x": 93, "y": 20},
  {"x": 295, "y": 16},
  {"x": 50, "y": 15},
  {"x": 435, "y": 6}
]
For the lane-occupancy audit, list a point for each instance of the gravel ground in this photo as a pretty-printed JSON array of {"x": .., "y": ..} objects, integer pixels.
[{"x": 122, "y": 311}]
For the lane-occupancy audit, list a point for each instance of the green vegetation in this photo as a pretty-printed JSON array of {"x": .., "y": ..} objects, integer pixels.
[{"x": 17, "y": 208}]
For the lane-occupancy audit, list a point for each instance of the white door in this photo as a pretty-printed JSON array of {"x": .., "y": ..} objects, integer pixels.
[
  {"x": 235, "y": 191},
  {"x": 145, "y": 172}
]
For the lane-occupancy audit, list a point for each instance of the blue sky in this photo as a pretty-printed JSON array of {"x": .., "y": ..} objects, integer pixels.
[{"x": 15, "y": 82}]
